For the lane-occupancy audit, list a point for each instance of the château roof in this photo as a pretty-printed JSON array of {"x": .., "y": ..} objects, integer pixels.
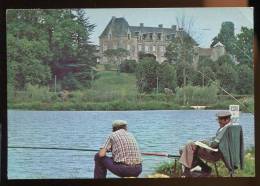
[
  {"x": 218, "y": 44},
  {"x": 120, "y": 27},
  {"x": 134, "y": 29},
  {"x": 117, "y": 26}
]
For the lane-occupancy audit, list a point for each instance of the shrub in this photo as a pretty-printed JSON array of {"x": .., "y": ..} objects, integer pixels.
[
  {"x": 196, "y": 95},
  {"x": 128, "y": 66},
  {"x": 107, "y": 66},
  {"x": 38, "y": 93}
]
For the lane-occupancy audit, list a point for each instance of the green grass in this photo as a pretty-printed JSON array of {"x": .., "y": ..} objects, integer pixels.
[
  {"x": 248, "y": 170},
  {"x": 111, "y": 81}
]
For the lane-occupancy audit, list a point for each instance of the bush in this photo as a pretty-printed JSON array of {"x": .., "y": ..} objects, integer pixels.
[
  {"x": 196, "y": 95},
  {"x": 37, "y": 93},
  {"x": 107, "y": 66},
  {"x": 128, "y": 66},
  {"x": 167, "y": 168},
  {"x": 70, "y": 82},
  {"x": 146, "y": 75}
]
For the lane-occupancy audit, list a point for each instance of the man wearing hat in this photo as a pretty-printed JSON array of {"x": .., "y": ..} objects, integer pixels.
[
  {"x": 192, "y": 152},
  {"x": 126, "y": 156}
]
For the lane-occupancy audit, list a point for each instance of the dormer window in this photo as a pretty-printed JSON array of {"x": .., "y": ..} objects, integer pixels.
[
  {"x": 159, "y": 36},
  {"x": 144, "y": 36},
  {"x": 151, "y": 36}
]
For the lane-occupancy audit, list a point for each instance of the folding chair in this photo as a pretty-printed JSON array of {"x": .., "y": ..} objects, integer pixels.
[{"x": 231, "y": 147}]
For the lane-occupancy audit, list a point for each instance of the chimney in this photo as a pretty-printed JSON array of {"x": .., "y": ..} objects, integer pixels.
[
  {"x": 160, "y": 25},
  {"x": 141, "y": 25},
  {"x": 173, "y": 27}
]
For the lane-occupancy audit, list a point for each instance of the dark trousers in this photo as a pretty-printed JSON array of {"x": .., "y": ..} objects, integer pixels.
[{"x": 102, "y": 164}]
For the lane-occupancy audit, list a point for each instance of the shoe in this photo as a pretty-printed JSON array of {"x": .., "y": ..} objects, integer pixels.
[{"x": 197, "y": 168}]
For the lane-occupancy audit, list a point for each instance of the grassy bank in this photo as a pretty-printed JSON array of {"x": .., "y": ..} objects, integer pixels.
[
  {"x": 111, "y": 91},
  {"x": 166, "y": 168}
]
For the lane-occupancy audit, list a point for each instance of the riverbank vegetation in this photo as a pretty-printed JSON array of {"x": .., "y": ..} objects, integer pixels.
[
  {"x": 113, "y": 91},
  {"x": 167, "y": 168}
]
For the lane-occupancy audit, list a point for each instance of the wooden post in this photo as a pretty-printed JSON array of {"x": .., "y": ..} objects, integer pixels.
[{"x": 55, "y": 83}]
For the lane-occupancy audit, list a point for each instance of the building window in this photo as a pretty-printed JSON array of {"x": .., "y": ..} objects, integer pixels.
[
  {"x": 128, "y": 36},
  {"x": 144, "y": 36},
  {"x": 154, "y": 48},
  {"x": 110, "y": 36},
  {"x": 151, "y": 36},
  {"x": 146, "y": 48},
  {"x": 139, "y": 47},
  {"x": 104, "y": 47},
  {"x": 128, "y": 47},
  {"x": 161, "y": 48},
  {"x": 136, "y": 33},
  {"x": 159, "y": 36}
]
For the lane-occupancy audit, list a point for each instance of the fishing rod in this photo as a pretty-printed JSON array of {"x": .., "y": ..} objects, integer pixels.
[
  {"x": 92, "y": 150},
  {"x": 225, "y": 91}
]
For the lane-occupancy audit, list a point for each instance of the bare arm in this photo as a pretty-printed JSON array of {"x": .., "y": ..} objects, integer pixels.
[{"x": 102, "y": 152}]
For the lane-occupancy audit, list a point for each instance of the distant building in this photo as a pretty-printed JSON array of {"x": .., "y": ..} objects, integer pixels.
[
  {"x": 135, "y": 39},
  {"x": 149, "y": 40},
  {"x": 212, "y": 53}
]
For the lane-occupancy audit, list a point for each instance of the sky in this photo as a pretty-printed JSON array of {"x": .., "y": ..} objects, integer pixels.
[{"x": 206, "y": 21}]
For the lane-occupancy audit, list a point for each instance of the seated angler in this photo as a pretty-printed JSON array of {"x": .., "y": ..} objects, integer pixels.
[
  {"x": 193, "y": 151},
  {"x": 126, "y": 156}
]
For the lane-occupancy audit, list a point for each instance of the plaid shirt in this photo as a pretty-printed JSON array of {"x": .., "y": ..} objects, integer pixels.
[{"x": 124, "y": 147}]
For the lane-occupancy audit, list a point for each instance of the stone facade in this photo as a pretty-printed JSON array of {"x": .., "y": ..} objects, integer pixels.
[
  {"x": 152, "y": 40},
  {"x": 213, "y": 53},
  {"x": 135, "y": 39}
]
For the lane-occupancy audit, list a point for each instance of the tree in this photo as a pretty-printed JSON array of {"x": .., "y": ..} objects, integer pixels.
[
  {"x": 181, "y": 49},
  {"x": 27, "y": 51},
  {"x": 226, "y": 73},
  {"x": 166, "y": 76},
  {"x": 128, "y": 66},
  {"x": 243, "y": 47},
  {"x": 45, "y": 43},
  {"x": 116, "y": 56},
  {"x": 245, "y": 85},
  {"x": 146, "y": 75},
  {"x": 226, "y": 36}
]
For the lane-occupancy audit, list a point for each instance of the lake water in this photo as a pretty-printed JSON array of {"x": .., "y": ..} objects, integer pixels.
[{"x": 156, "y": 131}]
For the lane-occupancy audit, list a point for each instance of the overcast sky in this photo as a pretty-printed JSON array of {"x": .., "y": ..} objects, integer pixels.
[{"x": 206, "y": 21}]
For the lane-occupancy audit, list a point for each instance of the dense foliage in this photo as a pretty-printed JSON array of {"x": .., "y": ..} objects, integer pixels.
[
  {"x": 44, "y": 44},
  {"x": 128, "y": 66},
  {"x": 154, "y": 76}
]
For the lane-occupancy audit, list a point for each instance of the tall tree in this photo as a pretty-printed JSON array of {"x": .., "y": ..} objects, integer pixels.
[
  {"x": 44, "y": 43},
  {"x": 243, "y": 47},
  {"x": 116, "y": 56},
  {"x": 181, "y": 49},
  {"x": 226, "y": 73},
  {"x": 245, "y": 85},
  {"x": 27, "y": 51},
  {"x": 226, "y": 36}
]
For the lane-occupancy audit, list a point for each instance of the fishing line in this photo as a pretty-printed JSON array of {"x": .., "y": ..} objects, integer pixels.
[
  {"x": 92, "y": 150},
  {"x": 225, "y": 91}
]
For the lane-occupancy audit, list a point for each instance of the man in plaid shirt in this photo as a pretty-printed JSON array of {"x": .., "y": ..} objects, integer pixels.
[{"x": 126, "y": 157}]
